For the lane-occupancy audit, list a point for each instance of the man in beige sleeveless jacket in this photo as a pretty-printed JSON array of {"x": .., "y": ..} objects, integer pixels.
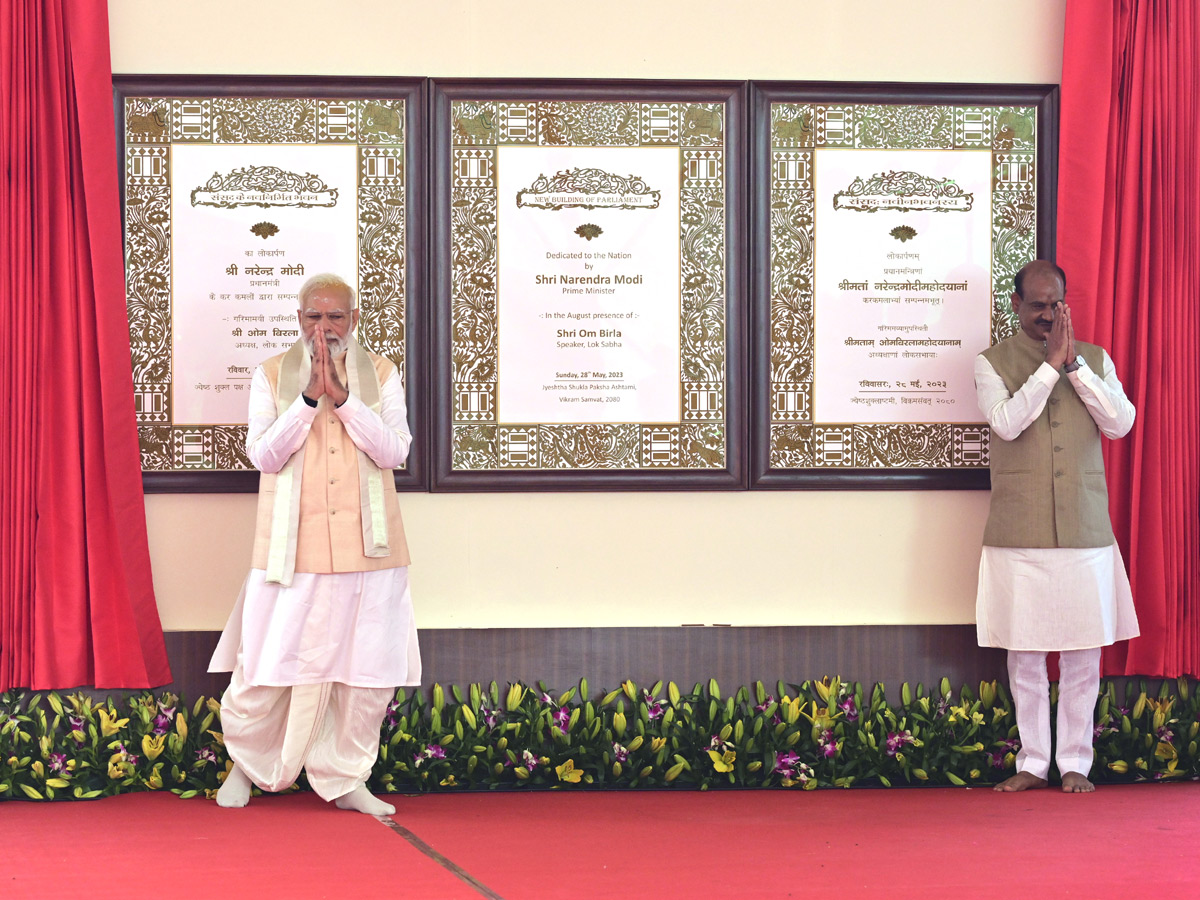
[
  {"x": 323, "y": 631},
  {"x": 1051, "y": 576}
]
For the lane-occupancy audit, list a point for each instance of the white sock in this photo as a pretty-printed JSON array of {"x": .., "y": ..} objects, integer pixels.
[
  {"x": 363, "y": 801},
  {"x": 235, "y": 792}
]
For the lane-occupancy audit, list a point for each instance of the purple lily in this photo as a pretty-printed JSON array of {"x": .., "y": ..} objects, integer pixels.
[
  {"x": 206, "y": 755},
  {"x": 897, "y": 741},
  {"x": 620, "y": 753},
  {"x": 562, "y": 718},
  {"x": 828, "y": 744},
  {"x": 58, "y": 762},
  {"x": 849, "y": 708},
  {"x": 162, "y": 724},
  {"x": 490, "y": 716},
  {"x": 655, "y": 710},
  {"x": 784, "y": 763}
]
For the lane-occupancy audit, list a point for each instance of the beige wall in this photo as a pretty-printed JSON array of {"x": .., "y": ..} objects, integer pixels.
[{"x": 612, "y": 559}]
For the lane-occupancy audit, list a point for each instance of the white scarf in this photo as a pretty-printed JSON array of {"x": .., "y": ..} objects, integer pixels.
[{"x": 294, "y": 372}]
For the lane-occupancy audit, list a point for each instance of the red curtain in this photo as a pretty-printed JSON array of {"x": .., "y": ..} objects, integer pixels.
[
  {"x": 76, "y": 600},
  {"x": 1129, "y": 240}
]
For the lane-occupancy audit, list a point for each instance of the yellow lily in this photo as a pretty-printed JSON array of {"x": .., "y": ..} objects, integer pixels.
[
  {"x": 723, "y": 762},
  {"x": 1165, "y": 750},
  {"x": 820, "y": 716},
  {"x": 1162, "y": 709},
  {"x": 568, "y": 772},
  {"x": 153, "y": 746},
  {"x": 825, "y": 687},
  {"x": 110, "y": 725},
  {"x": 1119, "y": 766},
  {"x": 155, "y": 782},
  {"x": 791, "y": 709},
  {"x": 117, "y": 766},
  {"x": 657, "y": 744},
  {"x": 448, "y": 781},
  {"x": 181, "y": 726}
]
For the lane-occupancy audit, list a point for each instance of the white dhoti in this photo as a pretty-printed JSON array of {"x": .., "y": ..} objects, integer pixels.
[
  {"x": 330, "y": 730},
  {"x": 1034, "y": 601},
  {"x": 314, "y": 665}
]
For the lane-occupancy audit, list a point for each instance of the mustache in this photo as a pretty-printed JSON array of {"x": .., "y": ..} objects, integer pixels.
[{"x": 337, "y": 346}]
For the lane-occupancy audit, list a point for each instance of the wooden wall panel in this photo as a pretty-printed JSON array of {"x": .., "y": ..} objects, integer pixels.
[{"x": 607, "y": 656}]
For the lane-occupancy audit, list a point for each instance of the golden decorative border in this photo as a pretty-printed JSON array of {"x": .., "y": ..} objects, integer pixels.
[
  {"x": 151, "y": 125},
  {"x": 797, "y": 131},
  {"x": 478, "y": 129}
]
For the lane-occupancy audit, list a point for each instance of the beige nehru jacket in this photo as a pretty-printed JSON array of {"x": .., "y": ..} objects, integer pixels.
[
  {"x": 329, "y": 538},
  {"x": 1048, "y": 485}
]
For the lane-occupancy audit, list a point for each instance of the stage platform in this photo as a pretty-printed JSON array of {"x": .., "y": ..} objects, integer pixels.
[{"x": 1121, "y": 842}]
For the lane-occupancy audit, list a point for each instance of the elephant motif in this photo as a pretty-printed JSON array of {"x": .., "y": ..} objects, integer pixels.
[
  {"x": 148, "y": 126},
  {"x": 705, "y": 123},
  {"x": 382, "y": 119}
]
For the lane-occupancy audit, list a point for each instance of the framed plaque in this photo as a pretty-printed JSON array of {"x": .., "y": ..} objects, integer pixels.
[
  {"x": 234, "y": 192},
  {"x": 888, "y": 223},
  {"x": 587, "y": 257}
]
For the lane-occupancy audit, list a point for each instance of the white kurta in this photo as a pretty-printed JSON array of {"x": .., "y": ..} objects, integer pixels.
[
  {"x": 354, "y": 628},
  {"x": 1053, "y": 598}
]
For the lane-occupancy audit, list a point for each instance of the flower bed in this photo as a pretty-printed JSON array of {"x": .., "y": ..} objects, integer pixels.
[{"x": 817, "y": 734}]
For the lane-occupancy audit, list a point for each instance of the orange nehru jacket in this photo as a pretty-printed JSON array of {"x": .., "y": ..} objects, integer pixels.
[{"x": 330, "y": 537}]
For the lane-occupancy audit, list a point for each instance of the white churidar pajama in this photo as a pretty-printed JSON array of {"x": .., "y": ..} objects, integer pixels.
[
  {"x": 316, "y": 663},
  {"x": 1035, "y": 600}
]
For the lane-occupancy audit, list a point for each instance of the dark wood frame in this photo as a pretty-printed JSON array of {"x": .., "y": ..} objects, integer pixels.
[
  {"x": 762, "y": 94},
  {"x": 415, "y": 93},
  {"x": 734, "y": 95}
]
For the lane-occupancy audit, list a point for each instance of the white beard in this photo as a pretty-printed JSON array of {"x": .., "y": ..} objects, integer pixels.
[{"x": 337, "y": 347}]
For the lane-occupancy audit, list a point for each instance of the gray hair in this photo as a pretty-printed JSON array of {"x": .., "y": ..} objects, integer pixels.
[{"x": 324, "y": 280}]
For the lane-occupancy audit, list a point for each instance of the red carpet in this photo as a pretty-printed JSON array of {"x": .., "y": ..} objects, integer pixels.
[{"x": 1123, "y": 841}]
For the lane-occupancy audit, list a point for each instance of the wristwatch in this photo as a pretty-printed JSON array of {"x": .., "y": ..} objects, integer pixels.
[{"x": 1073, "y": 364}]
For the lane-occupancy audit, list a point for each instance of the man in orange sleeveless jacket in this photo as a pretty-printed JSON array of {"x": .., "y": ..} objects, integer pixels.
[{"x": 323, "y": 631}]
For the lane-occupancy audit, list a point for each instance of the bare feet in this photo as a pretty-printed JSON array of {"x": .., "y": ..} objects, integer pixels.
[
  {"x": 235, "y": 791},
  {"x": 1074, "y": 783},
  {"x": 363, "y": 801},
  {"x": 1023, "y": 781}
]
